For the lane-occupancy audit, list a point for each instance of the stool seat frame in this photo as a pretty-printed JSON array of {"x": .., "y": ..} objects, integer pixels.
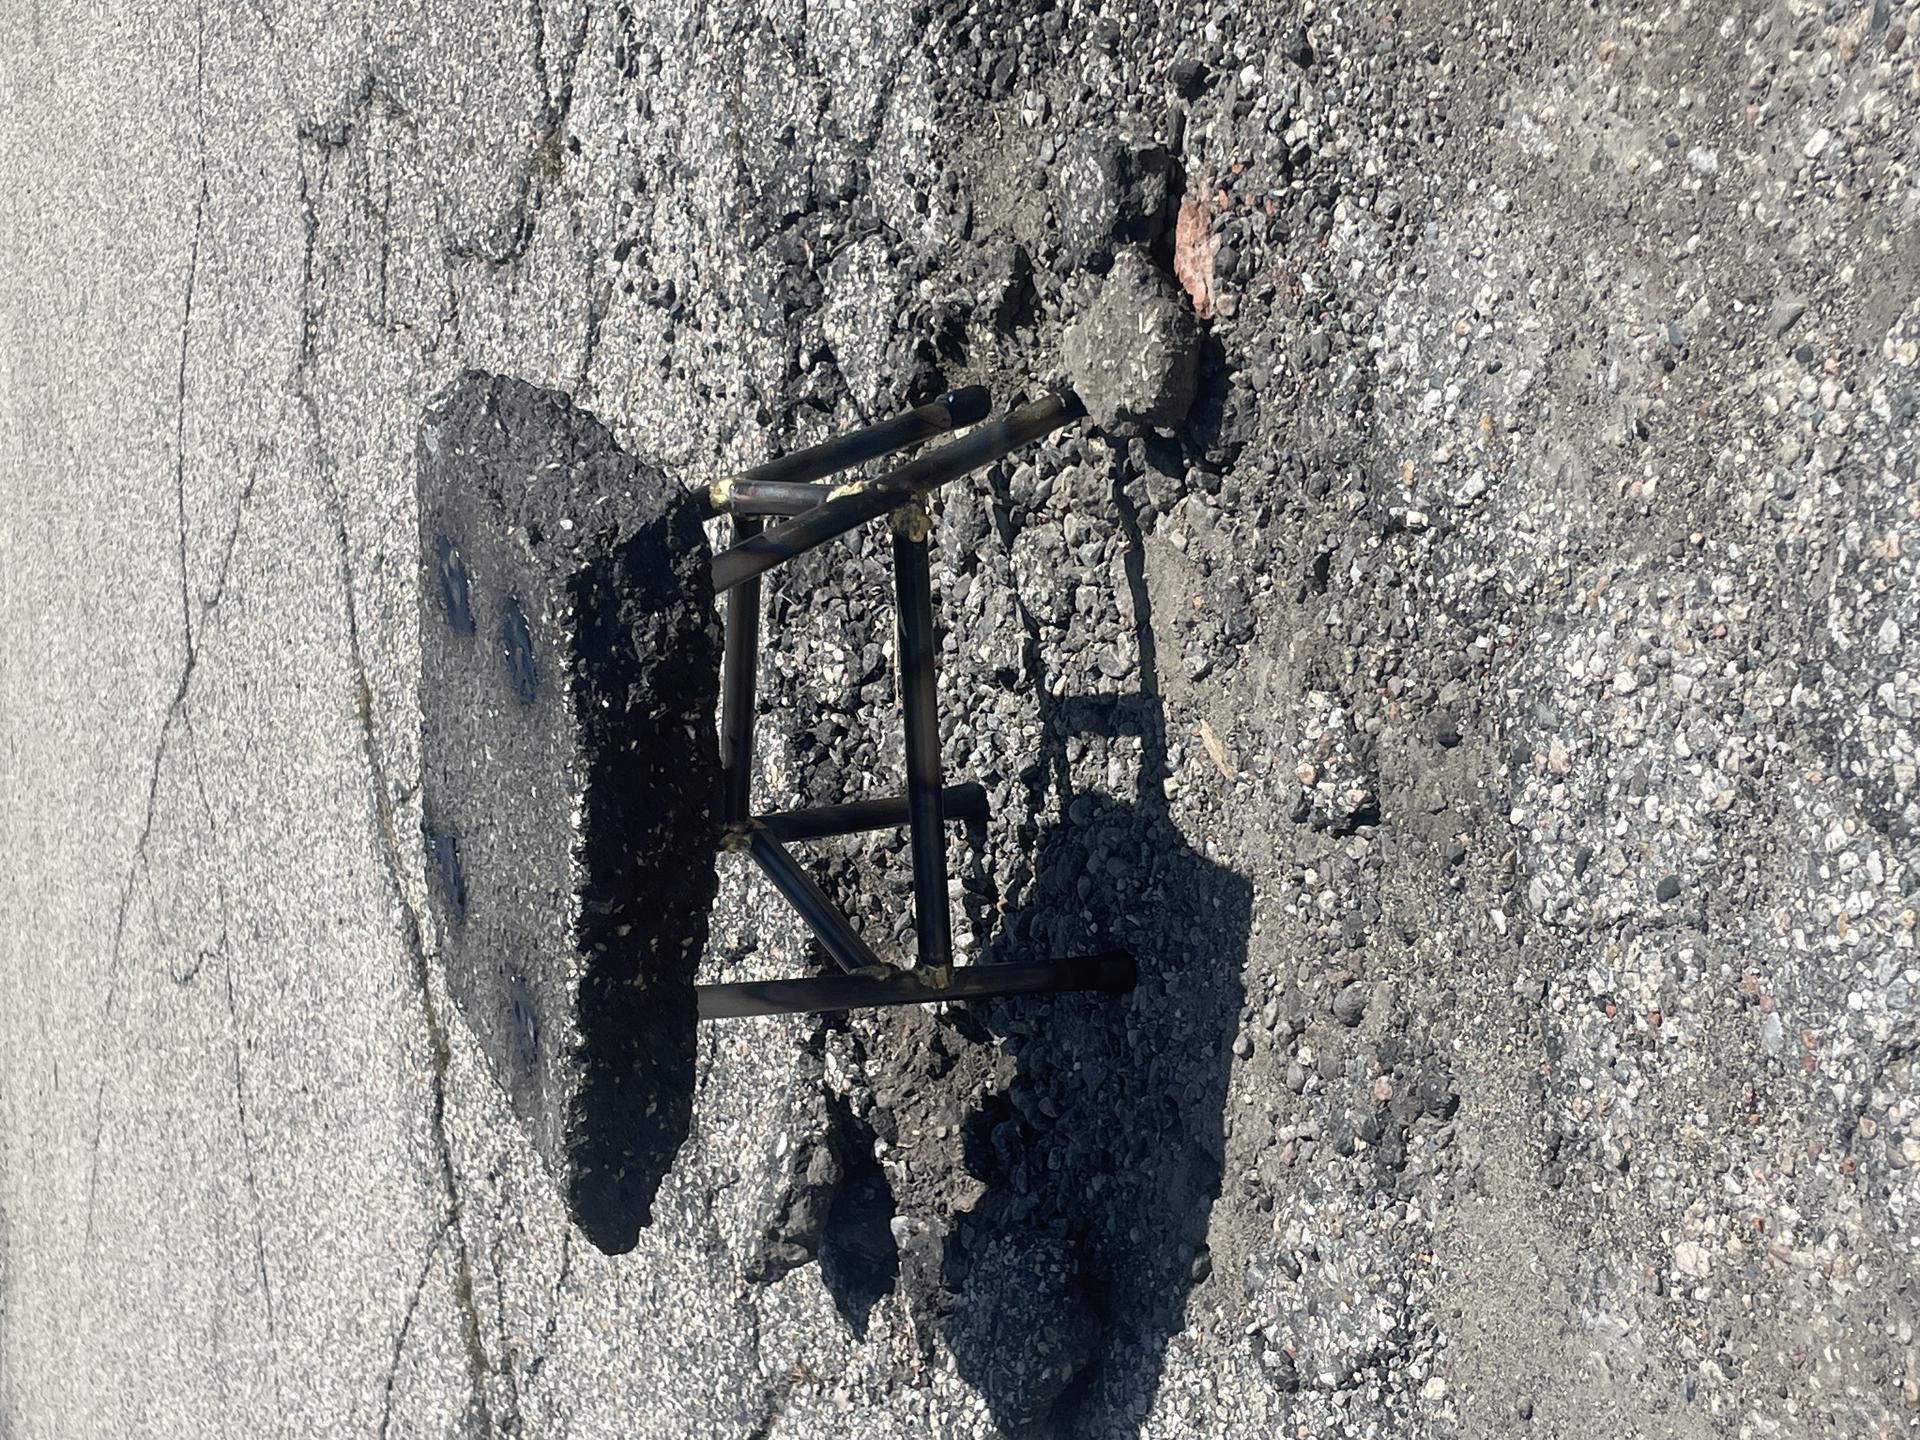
[{"x": 809, "y": 513}]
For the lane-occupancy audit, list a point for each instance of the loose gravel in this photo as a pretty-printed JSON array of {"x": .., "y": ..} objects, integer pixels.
[{"x": 1472, "y": 670}]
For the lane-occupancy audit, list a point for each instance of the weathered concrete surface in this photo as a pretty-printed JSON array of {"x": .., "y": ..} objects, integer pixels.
[{"x": 1488, "y": 717}]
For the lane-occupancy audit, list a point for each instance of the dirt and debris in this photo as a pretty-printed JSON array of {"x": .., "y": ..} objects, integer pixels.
[{"x": 1485, "y": 708}]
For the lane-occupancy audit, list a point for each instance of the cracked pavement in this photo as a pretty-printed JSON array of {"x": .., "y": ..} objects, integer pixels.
[
  {"x": 254, "y": 1180},
  {"x": 1488, "y": 716}
]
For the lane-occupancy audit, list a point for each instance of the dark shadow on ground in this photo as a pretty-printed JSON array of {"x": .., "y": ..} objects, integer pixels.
[
  {"x": 1057, "y": 1290},
  {"x": 859, "y": 1262}
]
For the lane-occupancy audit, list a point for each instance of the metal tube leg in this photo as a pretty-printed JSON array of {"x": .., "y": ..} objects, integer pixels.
[
  {"x": 1112, "y": 972},
  {"x": 956, "y": 408},
  {"x": 914, "y": 585},
  {"x": 774, "y": 497},
  {"x": 988, "y": 443},
  {"x": 842, "y": 942},
  {"x": 739, "y": 672},
  {"x": 964, "y": 802}
]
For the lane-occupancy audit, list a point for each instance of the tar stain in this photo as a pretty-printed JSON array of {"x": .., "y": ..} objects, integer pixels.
[
  {"x": 517, "y": 641},
  {"x": 523, "y": 1021},
  {"x": 455, "y": 593},
  {"x": 445, "y": 852}
]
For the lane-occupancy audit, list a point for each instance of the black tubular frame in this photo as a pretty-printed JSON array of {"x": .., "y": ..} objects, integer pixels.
[
  {"x": 926, "y": 826},
  {"x": 966, "y": 802},
  {"x": 785, "y": 487},
  {"x": 739, "y": 677},
  {"x": 852, "y": 506},
  {"x": 1112, "y": 972}
]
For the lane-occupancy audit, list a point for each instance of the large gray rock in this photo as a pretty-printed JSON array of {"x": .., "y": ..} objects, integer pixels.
[
  {"x": 1134, "y": 353},
  {"x": 1090, "y": 190},
  {"x": 1106, "y": 196},
  {"x": 568, "y": 677}
]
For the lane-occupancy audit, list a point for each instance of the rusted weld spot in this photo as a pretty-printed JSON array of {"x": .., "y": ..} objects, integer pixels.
[{"x": 912, "y": 520}]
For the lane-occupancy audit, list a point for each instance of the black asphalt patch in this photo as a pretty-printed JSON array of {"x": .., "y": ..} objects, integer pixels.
[{"x": 569, "y": 664}]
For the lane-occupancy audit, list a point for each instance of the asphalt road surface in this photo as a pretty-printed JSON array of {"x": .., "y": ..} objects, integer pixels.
[{"x": 1488, "y": 715}]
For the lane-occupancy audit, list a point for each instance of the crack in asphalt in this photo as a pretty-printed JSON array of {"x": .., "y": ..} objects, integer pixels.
[
  {"x": 537, "y": 25},
  {"x": 186, "y": 327},
  {"x": 116, "y": 953},
  {"x": 176, "y": 706},
  {"x": 240, "y": 506},
  {"x": 406, "y": 1322},
  {"x": 250, "y": 1170},
  {"x": 559, "y": 107},
  {"x": 386, "y": 836},
  {"x": 560, "y": 1279},
  {"x": 599, "y": 291},
  {"x": 506, "y": 1367}
]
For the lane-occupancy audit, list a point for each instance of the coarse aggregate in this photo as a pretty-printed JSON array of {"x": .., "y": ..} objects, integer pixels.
[{"x": 1487, "y": 714}]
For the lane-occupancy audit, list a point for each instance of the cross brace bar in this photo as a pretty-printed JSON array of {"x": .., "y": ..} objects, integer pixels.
[
  {"x": 952, "y": 411},
  {"x": 957, "y": 802},
  {"x": 1112, "y": 972},
  {"x": 853, "y": 508}
]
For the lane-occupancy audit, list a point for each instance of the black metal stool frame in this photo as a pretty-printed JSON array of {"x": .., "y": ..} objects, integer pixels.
[{"x": 813, "y": 514}]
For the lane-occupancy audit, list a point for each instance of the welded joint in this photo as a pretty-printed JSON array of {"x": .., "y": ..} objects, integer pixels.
[
  {"x": 912, "y": 520},
  {"x": 736, "y": 836},
  {"x": 720, "y": 493}
]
